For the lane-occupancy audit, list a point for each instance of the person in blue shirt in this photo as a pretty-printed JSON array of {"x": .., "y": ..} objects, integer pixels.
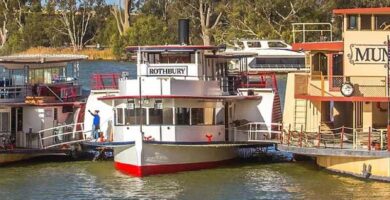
[{"x": 95, "y": 124}]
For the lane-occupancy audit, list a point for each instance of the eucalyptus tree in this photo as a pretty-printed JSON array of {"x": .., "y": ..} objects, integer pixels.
[
  {"x": 10, "y": 18},
  {"x": 122, "y": 12},
  {"x": 75, "y": 17}
]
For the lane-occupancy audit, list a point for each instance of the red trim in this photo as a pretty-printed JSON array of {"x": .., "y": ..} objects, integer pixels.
[
  {"x": 351, "y": 99},
  {"x": 141, "y": 171},
  {"x": 77, "y": 104},
  {"x": 362, "y": 10},
  {"x": 181, "y": 97},
  {"x": 318, "y": 46}
]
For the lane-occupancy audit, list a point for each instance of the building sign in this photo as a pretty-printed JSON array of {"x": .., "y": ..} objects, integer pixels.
[
  {"x": 368, "y": 54},
  {"x": 168, "y": 71}
]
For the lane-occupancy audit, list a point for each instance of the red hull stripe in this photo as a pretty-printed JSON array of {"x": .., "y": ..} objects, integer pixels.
[{"x": 141, "y": 171}]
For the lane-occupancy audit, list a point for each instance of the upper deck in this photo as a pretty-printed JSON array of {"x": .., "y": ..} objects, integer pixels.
[
  {"x": 360, "y": 58},
  {"x": 37, "y": 79}
]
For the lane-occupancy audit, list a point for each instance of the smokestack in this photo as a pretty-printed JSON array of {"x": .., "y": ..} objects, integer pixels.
[{"x": 184, "y": 31}]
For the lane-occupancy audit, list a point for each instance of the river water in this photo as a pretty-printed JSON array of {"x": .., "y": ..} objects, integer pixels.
[{"x": 244, "y": 180}]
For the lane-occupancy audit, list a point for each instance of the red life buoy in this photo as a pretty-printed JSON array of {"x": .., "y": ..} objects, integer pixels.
[{"x": 209, "y": 137}]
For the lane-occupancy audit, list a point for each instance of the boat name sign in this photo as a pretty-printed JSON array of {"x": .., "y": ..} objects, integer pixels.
[
  {"x": 367, "y": 54},
  {"x": 168, "y": 71}
]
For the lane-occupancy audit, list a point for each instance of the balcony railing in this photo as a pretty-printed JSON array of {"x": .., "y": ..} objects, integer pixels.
[
  {"x": 14, "y": 93},
  {"x": 328, "y": 86},
  {"x": 104, "y": 81}
]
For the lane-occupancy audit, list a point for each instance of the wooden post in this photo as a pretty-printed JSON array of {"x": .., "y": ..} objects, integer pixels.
[
  {"x": 319, "y": 137},
  {"x": 369, "y": 138},
  {"x": 342, "y": 137},
  {"x": 322, "y": 85},
  {"x": 388, "y": 138},
  {"x": 289, "y": 135},
  {"x": 281, "y": 133},
  {"x": 300, "y": 136}
]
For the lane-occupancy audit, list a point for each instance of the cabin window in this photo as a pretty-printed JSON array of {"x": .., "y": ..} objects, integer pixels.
[
  {"x": 135, "y": 116},
  {"x": 240, "y": 44},
  {"x": 365, "y": 22},
  {"x": 352, "y": 22},
  {"x": 202, "y": 116},
  {"x": 160, "y": 116},
  {"x": 280, "y": 61},
  {"x": 46, "y": 76},
  {"x": 382, "y": 22},
  {"x": 254, "y": 44},
  {"x": 119, "y": 116},
  {"x": 276, "y": 45},
  {"x": 182, "y": 116},
  {"x": 320, "y": 64},
  {"x": 4, "y": 119},
  {"x": 176, "y": 57}
]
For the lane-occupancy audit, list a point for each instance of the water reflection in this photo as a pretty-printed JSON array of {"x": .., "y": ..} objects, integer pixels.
[{"x": 98, "y": 180}]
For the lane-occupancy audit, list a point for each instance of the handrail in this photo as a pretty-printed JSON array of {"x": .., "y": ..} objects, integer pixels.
[
  {"x": 57, "y": 136},
  {"x": 339, "y": 137}
]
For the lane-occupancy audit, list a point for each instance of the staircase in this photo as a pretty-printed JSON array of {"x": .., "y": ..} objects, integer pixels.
[
  {"x": 277, "y": 109},
  {"x": 300, "y": 114}
]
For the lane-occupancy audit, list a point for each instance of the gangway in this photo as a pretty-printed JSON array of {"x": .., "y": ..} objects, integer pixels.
[{"x": 61, "y": 136}]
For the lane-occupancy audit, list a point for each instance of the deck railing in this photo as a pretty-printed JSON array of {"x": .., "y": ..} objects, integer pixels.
[
  {"x": 61, "y": 135},
  {"x": 319, "y": 85},
  {"x": 14, "y": 93},
  {"x": 370, "y": 139},
  {"x": 104, "y": 81}
]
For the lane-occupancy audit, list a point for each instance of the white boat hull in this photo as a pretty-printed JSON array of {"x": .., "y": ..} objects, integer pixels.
[{"x": 170, "y": 158}]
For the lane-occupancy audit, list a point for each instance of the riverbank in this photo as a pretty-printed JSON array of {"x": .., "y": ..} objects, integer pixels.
[{"x": 92, "y": 53}]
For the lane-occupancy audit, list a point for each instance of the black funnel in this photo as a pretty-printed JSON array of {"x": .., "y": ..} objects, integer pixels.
[{"x": 184, "y": 31}]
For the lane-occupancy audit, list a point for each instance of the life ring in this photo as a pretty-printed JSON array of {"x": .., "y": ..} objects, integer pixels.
[
  {"x": 378, "y": 105},
  {"x": 209, "y": 137}
]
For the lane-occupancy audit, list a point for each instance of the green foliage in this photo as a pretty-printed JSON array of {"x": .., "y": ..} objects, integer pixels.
[
  {"x": 147, "y": 30},
  {"x": 155, "y": 21}
]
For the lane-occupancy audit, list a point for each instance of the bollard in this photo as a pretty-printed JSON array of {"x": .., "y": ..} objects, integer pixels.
[
  {"x": 369, "y": 138},
  {"x": 300, "y": 137},
  {"x": 319, "y": 136},
  {"x": 342, "y": 137}
]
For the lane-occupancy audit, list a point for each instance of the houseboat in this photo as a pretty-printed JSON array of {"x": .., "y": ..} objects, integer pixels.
[
  {"x": 270, "y": 56},
  {"x": 39, "y": 98},
  {"x": 346, "y": 92},
  {"x": 181, "y": 110}
]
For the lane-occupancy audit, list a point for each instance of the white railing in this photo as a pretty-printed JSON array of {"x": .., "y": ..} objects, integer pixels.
[
  {"x": 61, "y": 135},
  {"x": 257, "y": 131},
  {"x": 312, "y": 32}
]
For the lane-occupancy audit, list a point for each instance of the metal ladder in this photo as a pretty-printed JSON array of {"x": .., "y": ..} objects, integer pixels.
[{"x": 300, "y": 114}]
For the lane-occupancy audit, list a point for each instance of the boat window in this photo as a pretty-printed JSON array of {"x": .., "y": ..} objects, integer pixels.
[
  {"x": 4, "y": 119},
  {"x": 182, "y": 116},
  {"x": 197, "y": 116},
  {"x": 365, "y": 22},
  {"x": 352, "y": 22},
  {"x": 46, "y": 76},
  {"x": 382, "y": 22},
  {"x": 320, "y": 64},
  {"x": 177, "y": 57},
  {"x": 276, "y": 45},
  {"x": 119, "y": 116},
  {"x": 155, "y": 116},
  {"x": 240, "y": 45},
  {"x": 135, "y": 116},
  {"x": 254, "y": 44},
  {"x": 220, "y": 117},
  {"x": 167, "y": 116},
  {"x": 202, "y": 116},
  {"x": 280, "y": 61}
]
